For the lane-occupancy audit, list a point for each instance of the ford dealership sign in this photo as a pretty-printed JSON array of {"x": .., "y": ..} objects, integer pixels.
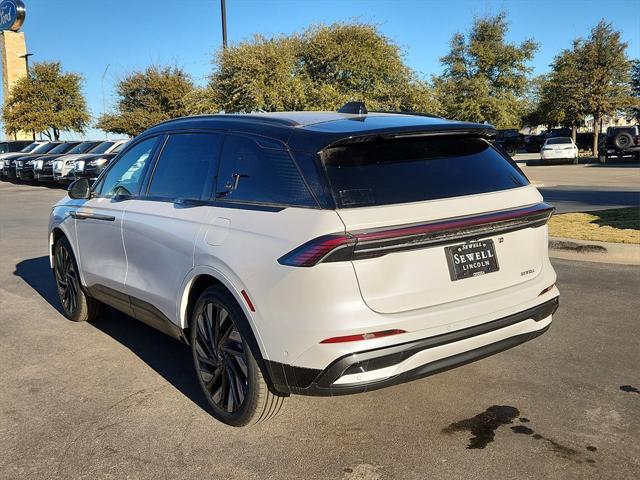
[{"x": 12, "y": 13}]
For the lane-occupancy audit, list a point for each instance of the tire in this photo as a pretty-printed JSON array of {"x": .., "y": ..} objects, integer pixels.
[
  {"x": 222, "y": 359},
  {"x": 575, "y": 161},
  {"x": 623, "y": 140},
  {"x": 602, "y": 159},
  {"x": 76, "y": 304}
]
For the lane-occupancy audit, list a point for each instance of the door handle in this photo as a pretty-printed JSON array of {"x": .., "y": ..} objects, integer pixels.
[{"x": 93, "y": 216}]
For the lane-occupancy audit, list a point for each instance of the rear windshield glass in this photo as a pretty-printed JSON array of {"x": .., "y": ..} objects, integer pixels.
[
  {"x": 557, "y": 141},
  {"x": 414, "y": 170}
]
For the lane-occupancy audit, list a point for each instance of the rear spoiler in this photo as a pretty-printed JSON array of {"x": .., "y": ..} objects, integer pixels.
[{"x": 454, "y": 130}]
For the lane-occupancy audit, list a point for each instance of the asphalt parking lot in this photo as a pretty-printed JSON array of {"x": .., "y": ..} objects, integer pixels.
[
  {"x": 116, "y": 399},
  {"x": 587, "y": 186}
]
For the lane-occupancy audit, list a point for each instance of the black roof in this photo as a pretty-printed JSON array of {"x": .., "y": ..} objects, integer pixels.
[{"x": 311, "y": 131}]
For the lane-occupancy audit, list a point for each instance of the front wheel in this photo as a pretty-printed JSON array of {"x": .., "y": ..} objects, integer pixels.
[
  {"x": 227, "y": 371},
  {"x": 76, "y": 305}
]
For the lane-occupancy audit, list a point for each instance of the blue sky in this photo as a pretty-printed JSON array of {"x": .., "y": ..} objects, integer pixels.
[{"x": 88, "y": 36}]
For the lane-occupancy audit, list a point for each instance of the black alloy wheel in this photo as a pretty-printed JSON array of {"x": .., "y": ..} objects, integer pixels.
[
  {"x": 76, "y": 304},
  {"x": 222, "y": 363},
  {"x": 66, "y": 280},
  {"x": 227, "y": 371}
]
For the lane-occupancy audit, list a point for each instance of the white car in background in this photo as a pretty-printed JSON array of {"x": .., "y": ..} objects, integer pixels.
[
  {"x": 559, "y": 148},
  {"x": 63, "y": 168}
]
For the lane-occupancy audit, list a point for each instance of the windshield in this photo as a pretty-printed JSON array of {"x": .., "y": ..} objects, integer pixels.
[
  {"x": 84, "y": 147},
  {"x": 102, "y": 147},
  {"x": 119, "y": 148},
  {"x": 29, "y": 147},
  {"x": 415, "y": 170},
  {"x": 558, "y": 141},
  {"x": 45, "y": 147},
  {"x": 62, "y": 148}
]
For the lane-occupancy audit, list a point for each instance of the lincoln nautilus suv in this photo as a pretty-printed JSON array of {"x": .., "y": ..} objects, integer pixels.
[{"x": 312, "y": 253}]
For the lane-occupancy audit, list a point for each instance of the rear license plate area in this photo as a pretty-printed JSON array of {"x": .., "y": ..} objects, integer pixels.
[{"x": 471, "y": 259}]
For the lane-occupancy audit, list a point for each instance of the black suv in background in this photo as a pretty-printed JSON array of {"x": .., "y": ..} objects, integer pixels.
[
  {"x": 510, "y": 140},
  {"x": 43, "y": 168},
  {"x": 91, "y": 165},
  {"x": 25, "y": 166},
  {"x": 620, "y": 143},
  {"x": 11, "y": 146}
]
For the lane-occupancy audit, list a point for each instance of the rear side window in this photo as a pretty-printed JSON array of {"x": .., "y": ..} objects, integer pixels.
[
  {"x": 260, "y": 171},
  {"x": 186, "y": 166},
  {"x": 414, "y": 170}
]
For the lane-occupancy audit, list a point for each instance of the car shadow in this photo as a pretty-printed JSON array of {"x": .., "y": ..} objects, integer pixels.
[
  {"x": 37, "y": 273},
  {"x": 168, "y": 357}
]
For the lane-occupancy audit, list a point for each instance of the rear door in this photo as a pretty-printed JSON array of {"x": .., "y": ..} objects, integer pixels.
[
  {"x": 161, "y": 227},
  {"x": 425, "y": 211}
]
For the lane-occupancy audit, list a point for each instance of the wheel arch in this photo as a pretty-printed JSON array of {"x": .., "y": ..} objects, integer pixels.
[{"x": 202, "y": 279}]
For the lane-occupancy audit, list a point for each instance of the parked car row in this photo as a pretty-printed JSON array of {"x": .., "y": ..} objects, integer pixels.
[{"x": 57, "y": 161}]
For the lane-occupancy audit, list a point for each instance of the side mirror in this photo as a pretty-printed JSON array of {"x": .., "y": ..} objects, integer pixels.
[{"x": 80, "y": 188}]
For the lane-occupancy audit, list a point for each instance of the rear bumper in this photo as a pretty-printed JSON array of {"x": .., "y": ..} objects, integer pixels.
[
  {"x": 349, "y": 373},
  {"x": 570, "y": 154}
]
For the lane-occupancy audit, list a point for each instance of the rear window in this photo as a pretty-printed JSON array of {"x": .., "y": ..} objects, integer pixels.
[
  {"x": 415, "y": 170},
  {"x": 558, "y": 141}
]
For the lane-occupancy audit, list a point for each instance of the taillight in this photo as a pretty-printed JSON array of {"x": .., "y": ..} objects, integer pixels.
[
  {"x": 546, "y": 290},
  {"x": 363, "y": 336},
  {"x": 318, "y": 249},
  {"x": 378, "y": 242}
]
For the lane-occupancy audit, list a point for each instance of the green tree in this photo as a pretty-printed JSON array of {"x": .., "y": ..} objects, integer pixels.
[
  {"x": 485, "y": 78},
  {"x": 147, "y": 98},
  {"x": 635, "y": 89},
  {"x": 605, "y": 73},
  {"x": 561, "y": 97},
  {"x": 47, "y": 101},
  {"x": 320, "y": 68}
]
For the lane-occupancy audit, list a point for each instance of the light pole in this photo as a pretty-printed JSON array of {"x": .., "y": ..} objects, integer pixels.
[
  {"x": 104, "y": 107},
  {"x": 223, "y": 10},
  {"x": 26, "y": 61}
]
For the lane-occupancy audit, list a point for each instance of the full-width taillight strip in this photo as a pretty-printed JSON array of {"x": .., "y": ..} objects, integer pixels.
[{"x": 378, "y": 242}]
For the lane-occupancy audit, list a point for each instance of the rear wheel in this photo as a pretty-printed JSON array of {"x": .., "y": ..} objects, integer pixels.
[
  {"x": 227, "y": 371},
  {"x": 76, "y": 305}
]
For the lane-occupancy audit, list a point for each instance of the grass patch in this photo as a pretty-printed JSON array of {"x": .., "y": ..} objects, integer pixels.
[{"x": 619, "y": 225}]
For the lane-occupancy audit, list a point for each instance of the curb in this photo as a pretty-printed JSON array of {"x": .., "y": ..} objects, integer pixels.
[{"x": 605, "y": 252}]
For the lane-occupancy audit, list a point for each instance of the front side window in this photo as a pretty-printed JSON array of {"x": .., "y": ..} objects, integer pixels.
[
  {"x": 127, "y": 174},
  {"x": 262, "y": 172},
  {"x": 186, "y": 166}
]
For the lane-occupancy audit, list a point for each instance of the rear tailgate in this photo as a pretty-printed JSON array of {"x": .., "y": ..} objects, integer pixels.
[{"x": 435, "y": 220}]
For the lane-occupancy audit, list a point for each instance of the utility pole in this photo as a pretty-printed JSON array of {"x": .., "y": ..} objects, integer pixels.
[
  {"x": 223, "y": 10},
  {"x": 26, "y": 61}
]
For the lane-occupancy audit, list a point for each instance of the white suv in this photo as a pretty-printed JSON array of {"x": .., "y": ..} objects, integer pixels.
[{"x": 313, "y": 253}]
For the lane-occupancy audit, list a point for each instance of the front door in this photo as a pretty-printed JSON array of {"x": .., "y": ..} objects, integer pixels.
[{"x": 99, "y": 225}]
